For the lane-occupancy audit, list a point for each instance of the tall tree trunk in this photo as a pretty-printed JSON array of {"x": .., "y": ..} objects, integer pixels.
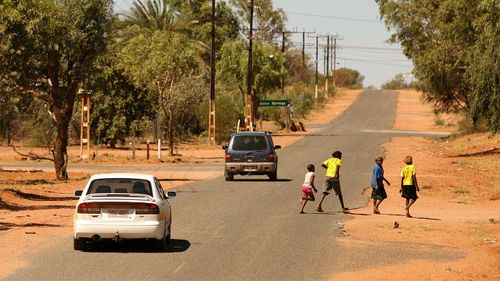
[
  {"x": 62, "y": 107},
  {"x": 60, "y": 147}
]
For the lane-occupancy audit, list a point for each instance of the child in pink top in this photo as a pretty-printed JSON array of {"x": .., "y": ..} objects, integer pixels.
[{"x": 308, "y": 187}]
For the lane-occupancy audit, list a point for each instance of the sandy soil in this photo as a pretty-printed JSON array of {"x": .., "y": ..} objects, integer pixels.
[{"x": 458, "y": 205}]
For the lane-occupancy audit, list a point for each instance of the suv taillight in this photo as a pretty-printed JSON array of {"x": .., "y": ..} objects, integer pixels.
[
  {"x": 228, "y": 156},
  {"x": 272, "y": 156}
]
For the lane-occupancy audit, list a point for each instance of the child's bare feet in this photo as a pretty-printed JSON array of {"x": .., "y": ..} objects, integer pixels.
[
  {"x": 318, "y": 209},
  {"x": 408, "y": 212},
  {"x": 302, "y": 212}
]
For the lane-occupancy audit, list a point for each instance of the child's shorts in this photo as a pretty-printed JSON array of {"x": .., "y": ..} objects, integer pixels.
[
  {"x": 307, "y": 192},
  {"x": 332, "y": 183}
]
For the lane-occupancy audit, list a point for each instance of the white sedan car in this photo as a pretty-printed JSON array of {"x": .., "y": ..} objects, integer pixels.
[{"x": 122, "y": 206}]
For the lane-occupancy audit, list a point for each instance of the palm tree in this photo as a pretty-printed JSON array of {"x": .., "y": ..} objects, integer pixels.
[
  {"x": 148, "y": 16},
  {"x": 156, "y": 15}
]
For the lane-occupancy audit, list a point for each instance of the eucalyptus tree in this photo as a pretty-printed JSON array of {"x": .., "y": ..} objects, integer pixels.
[
  {"x": 268, "y": 66},
  {"x": 51, "y": 47},
  {"x": 159, "y": 62},
  {"x": 455, "y": 51}
]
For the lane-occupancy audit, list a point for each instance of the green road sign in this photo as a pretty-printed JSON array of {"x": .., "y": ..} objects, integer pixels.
[{"x": 274, "y": 103}]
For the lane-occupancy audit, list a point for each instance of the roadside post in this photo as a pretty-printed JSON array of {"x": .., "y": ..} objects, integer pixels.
[
  {"x": 147, "y": 150},
  {"x": 159, "y": 149}
]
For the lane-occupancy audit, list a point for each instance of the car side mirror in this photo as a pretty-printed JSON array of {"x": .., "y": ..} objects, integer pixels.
[
  {"x": 224, "y": 147},
  {"x": 277, "y": 147},
  {"x": 171, "y": 194},
  {"x": 78, "y": 193}
]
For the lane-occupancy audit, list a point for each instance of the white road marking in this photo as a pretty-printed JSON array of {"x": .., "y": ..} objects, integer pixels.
[{"x": 179, "y": 267}]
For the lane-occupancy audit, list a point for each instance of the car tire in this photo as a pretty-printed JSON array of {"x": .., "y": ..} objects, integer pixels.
[
  {"x": 162, "y": 244},
  {"x": 78, "y": 244},
  {"x": 229, "y": 176},
  {"x": 273, "y": 176}
]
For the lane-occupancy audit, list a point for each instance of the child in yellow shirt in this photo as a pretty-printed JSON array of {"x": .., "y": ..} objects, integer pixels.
[{"x": 409, "y": 185}]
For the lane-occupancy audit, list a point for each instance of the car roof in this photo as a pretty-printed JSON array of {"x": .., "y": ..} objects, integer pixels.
[
  {"x": 123, "y": 175},
  {"x": 250, "y": 133}
]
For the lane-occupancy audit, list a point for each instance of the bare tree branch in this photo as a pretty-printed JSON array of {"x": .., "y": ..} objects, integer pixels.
[{"x": 31, "y": 155}]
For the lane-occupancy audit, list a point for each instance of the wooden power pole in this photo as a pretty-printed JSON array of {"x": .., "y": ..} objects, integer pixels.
[
  {"x": 85, "y": 123},
  {"x": 211, "y": 113}
]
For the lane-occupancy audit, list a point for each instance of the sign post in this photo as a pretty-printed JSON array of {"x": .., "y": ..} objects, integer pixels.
[{"x": 278, "y": 103}]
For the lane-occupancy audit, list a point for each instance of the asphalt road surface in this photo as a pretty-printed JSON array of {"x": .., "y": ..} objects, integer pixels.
[{"x": 250, "y": 229}]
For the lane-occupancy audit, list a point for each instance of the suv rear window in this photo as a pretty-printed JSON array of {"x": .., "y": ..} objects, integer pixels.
[{"x": 249, "y": 143}]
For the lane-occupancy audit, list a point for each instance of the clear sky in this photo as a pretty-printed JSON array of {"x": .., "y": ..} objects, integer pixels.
[{"x": 362, "y": 36}]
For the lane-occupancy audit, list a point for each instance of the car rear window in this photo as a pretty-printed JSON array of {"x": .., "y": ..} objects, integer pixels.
[
  {"x": 249, "y": 143},
  {"x": 120, "y": 185}
]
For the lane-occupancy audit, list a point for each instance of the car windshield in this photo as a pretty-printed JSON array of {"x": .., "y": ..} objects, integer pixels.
[
  {"x": 120, "y": 185},
  {"x": 249, "y": 143}
]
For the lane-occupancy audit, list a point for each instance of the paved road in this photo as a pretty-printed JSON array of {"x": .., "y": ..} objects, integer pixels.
[{"x": 250, "y": 229}]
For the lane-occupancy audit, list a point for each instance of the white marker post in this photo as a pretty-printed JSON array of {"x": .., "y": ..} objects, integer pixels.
[{"x": 159, "y": 149}]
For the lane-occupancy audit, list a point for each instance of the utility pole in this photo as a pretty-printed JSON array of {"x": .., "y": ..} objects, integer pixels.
[
  {"x": 334, "y": 64},
  {"x": 249, "y": 120},
  {"x": 85, "y": 123},
  {"x": 211, "y": 113},
  {"x": 304, "y": 45},
  {"x": 327, "y": 65},
  {"x": 283, "y": 52},
  {"x": 304, "y": 48},
  {"x": 316, "y": 77}
]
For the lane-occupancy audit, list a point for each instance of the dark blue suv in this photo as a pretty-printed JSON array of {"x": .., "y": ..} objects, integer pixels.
[{"x": 251, "y": 153}]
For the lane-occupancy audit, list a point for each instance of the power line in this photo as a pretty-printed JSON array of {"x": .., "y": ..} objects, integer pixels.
[
  {"x": 333, "y": 17},
  {"x": 381, "y": 62},
  {"x": 371, "y": 57},
  {"x": 370, "y": 48}
]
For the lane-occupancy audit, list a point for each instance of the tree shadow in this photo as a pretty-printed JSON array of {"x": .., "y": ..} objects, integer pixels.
[
  {"x": 135, "y": 246},
  {"x": 27, "y": 182},
  {"x": 15, "y": 207},
  {"x": 37, "y": 197},
  {"x": 394, "y": 215},
  {"x": 7, "y": 225}
]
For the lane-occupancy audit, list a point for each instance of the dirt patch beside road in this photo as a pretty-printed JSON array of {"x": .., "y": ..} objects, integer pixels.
[{"x": 458, "y": 205}]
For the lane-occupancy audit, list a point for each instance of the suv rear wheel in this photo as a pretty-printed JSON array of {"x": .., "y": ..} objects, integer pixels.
[
  {"x": 273, "y": 176},
  {"x": 228, "y": 176}
]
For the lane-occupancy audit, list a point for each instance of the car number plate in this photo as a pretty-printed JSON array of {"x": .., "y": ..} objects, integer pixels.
[
  {"x": 250, "y": 168},
  {"x": 119, "y": 213}
]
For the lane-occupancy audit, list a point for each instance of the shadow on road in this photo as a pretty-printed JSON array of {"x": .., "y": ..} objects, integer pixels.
[
  {"x": 135, "y": 246},
  {"x": 262, "y": 180},
  {"x": 395, "y": 215}
]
